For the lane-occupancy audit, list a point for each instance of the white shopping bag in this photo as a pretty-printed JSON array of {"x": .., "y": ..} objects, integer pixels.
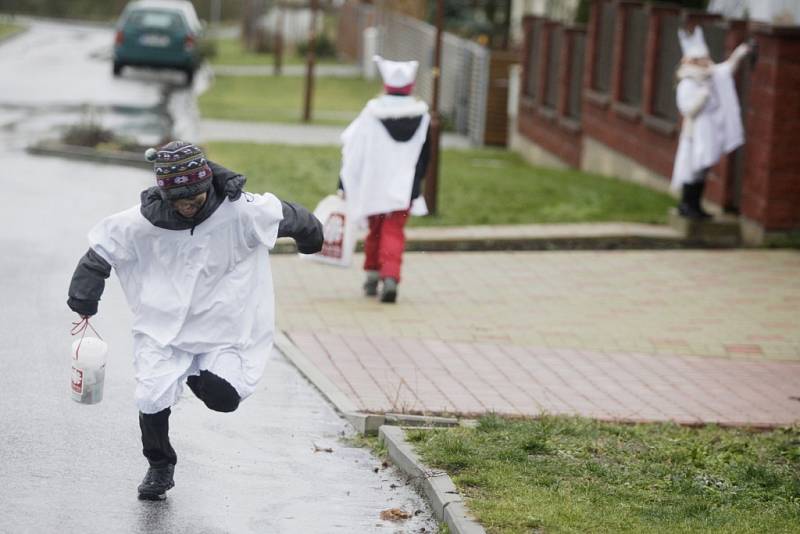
[{"x": 340, "y": 232}]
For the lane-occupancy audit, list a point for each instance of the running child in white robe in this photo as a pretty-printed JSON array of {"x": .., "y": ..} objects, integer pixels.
[
  {"x": 385, "y": 153},
  {"x": 193, "y": 261},
  {"x": 712, "y": 123}
]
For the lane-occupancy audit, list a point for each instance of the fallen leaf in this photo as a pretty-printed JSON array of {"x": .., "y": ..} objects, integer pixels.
[
  {"x": 321, "y": 449},
  {"x": 394, "y": 514},
  {"x": 385, "y": 465}
]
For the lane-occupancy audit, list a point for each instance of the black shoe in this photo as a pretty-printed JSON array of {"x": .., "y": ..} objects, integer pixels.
[
  {"x": 371, "y": 285},
  {"x": 687, "y": 211},
  {"x": 389, "y": 291},
  {"x": 156, "y": 483}
]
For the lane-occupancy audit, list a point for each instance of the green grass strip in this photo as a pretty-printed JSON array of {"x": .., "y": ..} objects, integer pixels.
[
  {"x": 7, "y": 29},
  {"x": 280, "y": 99},
  {"x": 481, "y": 186},
  {"x": 229, "y": 51},
  {"x": 560, "y": 474}
]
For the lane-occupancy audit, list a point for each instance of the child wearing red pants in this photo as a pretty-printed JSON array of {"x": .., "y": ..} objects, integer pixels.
[{"x": 385, "y": 154}]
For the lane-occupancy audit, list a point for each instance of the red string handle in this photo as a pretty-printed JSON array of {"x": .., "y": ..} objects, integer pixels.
[{"x": 79, "y": 327}]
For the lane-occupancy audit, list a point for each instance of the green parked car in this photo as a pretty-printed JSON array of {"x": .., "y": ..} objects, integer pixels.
[{"x": 161, "y": 34}]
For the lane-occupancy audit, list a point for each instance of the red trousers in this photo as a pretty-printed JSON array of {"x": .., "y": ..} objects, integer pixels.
[{"x": 383, "y": 247}]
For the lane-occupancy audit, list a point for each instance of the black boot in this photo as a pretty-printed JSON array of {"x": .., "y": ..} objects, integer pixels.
[
  {"x": 389, "y": 290},
  {"x": 689, "y": 204},
  {"x": 686, "y": 208},
  {"x": 697, "y": 199},
  {"x": 371, "y": 284},
  {"x": 156, "y": 483},
  {"x": 159, "y": 453}
]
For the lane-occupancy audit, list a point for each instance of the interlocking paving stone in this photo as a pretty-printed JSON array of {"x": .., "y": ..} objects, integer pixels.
[{"x": 690, "y": 336}]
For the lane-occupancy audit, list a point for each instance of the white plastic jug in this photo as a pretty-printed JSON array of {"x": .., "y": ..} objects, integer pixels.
[{"x": 88, "y": 369}]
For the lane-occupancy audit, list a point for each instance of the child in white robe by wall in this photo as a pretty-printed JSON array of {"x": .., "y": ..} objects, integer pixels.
[{"x": 712, "y": 125}]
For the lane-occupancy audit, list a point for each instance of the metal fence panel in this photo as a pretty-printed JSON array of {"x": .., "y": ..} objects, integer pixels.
[
  {"x": 633, "y": 56},
  {"x": 605, "y": 48},
  {"x": 669, "y": 55},
  {"x": 464, "y": 71},
  {"x": 475, "y": 107},
  {"x": 576, "y": 75},
  {"x": 553, "y": 64}
]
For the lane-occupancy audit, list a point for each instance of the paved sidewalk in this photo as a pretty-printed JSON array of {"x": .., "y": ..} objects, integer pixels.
[{"x": 690, "y": 336}]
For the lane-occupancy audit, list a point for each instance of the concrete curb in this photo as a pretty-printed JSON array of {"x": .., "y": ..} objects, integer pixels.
[
  {"x": 530, "y": 244},
  {"x": 364, "y": 423},
  {"x": 417, "y": 241},
  {"x": 437, "y": 486},
  {"x": 60, "y": 150}
]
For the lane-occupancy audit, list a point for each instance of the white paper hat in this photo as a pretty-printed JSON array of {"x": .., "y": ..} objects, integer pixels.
[
  {"x": 397, "y": 74},
  {"x": 693, "y": 45}
]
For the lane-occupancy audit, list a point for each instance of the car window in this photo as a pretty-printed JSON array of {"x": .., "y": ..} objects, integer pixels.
[{"x": 155, "y": 20}]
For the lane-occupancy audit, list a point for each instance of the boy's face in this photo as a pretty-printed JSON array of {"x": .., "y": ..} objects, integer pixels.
[{"x": 188, "y": 207}]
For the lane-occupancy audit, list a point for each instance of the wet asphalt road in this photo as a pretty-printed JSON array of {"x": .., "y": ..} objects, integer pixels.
[{"x": 73, "y": 468}]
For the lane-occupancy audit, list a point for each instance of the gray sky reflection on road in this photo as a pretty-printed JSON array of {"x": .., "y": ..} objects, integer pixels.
[
  {"x": 74, "y": 468},
  {"x": 58, "y": 75}
]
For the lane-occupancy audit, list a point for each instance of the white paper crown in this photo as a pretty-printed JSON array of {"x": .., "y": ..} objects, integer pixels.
[
  {"x": 396, "y": 73},
  {"x": 693, "y": 45}
]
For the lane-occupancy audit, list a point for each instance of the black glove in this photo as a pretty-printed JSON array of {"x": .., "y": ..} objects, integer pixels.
[
  {"x": 234, "y": 186},
  {"x": 84, "y": 308}
]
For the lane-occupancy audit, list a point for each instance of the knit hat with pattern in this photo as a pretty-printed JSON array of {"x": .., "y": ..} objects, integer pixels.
[{"x": 181, "y": 169}]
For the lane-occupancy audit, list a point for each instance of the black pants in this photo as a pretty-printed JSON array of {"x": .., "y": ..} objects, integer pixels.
[{"x": 214, "y": 391}]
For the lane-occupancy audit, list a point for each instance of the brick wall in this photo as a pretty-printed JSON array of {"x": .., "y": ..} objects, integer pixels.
[
  {"x": 550, "y": 127},
  {"x": 639, "y": 125},
  {"x": 771, "y": 192}
]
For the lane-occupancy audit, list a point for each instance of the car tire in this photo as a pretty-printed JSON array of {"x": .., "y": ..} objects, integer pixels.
[
  {"x": 117, "y": 69},
  {"x": 189, "y": 77}
]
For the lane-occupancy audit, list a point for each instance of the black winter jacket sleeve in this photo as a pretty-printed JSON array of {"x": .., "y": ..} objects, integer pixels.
[
  {"x": 422, "y": 166},
  {"x": 300, "y": 224},
  {"x": 88, "y": 283}
]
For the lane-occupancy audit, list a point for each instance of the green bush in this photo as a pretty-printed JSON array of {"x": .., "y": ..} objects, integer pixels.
[{"x": 323, "y": 47}]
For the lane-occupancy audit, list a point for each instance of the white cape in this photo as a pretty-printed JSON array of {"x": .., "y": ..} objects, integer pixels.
[
  {"x": 715, "y": 131},
  {"x": 377, "y": 171},
  {"x": 206, "y": 294}
]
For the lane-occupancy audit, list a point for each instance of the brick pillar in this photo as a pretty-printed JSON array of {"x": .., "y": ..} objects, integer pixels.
[
  {"x": 650, "y": 60},
  {"x": 771, "y": 184},
  {"x": 618, "y": 57},
  {"x": 564, "y": 69},
  {"x": 548, "y": 28},
  {"x": 591, "y": 43},
  {"x": 527, "y": 34}
]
